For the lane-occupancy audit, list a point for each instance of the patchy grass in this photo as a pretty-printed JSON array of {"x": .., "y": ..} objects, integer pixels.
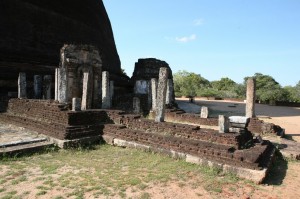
[{"x": 103, "y": 171}]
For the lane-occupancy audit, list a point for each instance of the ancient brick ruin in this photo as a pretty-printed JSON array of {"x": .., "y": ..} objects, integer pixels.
[{"x": 77, "y": 93}]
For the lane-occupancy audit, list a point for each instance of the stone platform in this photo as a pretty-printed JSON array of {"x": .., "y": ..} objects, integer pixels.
[
  {"x": 237, "y": 153},
  {"x": 14, "y": 139}
]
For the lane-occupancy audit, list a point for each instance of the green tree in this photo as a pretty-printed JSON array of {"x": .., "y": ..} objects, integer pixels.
[
  {"x": 223, "y": 84},
  {"x": 188, "y": 84},
  {"x": 268, "y": 90},
  {"x": 292, "y": 93}
]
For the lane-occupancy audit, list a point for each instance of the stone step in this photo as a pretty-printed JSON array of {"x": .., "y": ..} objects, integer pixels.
[
  {"x": 25, "y": 148},
  {"x": 22, "y": 142}
]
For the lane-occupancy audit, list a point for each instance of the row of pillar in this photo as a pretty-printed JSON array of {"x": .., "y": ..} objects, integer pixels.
[{"x": 41, "y": 86}]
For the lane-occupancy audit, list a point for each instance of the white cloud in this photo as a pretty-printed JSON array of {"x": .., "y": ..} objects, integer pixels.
[
  {"x": 198, "y": 22},
  {"x": 186, "y": 39}
]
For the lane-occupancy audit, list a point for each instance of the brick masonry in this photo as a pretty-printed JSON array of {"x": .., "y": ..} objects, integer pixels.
[{"x": 56, "y": 120}]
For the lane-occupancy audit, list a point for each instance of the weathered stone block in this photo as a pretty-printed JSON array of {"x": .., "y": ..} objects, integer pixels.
[{"x": 161, "y": 94}]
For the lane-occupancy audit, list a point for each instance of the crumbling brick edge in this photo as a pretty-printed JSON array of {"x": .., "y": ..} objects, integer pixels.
[{"x": 256, "y": 176}]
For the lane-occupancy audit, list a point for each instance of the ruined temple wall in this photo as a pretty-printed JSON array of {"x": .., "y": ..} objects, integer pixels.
[
  {"x": 179, "y": 130},
  {"x": 54, "y": 119},
  {"x": 251, "y": 158}
]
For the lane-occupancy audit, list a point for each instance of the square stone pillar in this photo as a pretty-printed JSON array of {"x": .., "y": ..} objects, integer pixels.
[
  {"x": 204, "y": 112},
  {"x": 62, "y": 81},
  {"x": 97, "y": 91},
  {"x": 170, "y": 92},
  {"x": 22, "y": 86},
  {"x": 154, "y": 93},
  {"x": 251, "y": 96},
  {"x": 56, "y": 84},
  {"x": 37, "y": 86},
  {"x": 76, "y": 104},
  {"x": 106, "y": 100},
  {"x": 47, "y": 83},
  {"x": 86, "y": 102},
  {"x": 223, "y": 124},
  {"x": 111, "y": 89},
  {"x": 136, "y": 105},
  {"x": 161, "y": 94}
]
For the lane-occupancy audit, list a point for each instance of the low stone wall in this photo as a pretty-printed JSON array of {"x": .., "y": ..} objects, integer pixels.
[
  {"x": 260, "y": 127},
  {"x": 54, "y": 119},
  {"x": 135, "y": 122},
  {"x": 252, "y": 158},
  {"x": 177, "y": 115}
]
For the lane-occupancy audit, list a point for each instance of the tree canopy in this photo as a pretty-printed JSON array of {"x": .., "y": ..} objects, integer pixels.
[{"x": 268, "y": 90}]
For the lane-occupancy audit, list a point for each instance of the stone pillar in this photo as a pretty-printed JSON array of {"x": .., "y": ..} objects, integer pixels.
[
  {"x": 170, "y": 91},
  {"x": 47, "y": 83},
  {"x": 106, "y": 101},
  {"x": 22, "y": 86},
  {"x": 161, "y": 94},
  {"x": 96, "y": 92},
  {"x": 76, "y": 104},
  {"x": 62, "y": 92},
  {"x": 149, "y": 95},
  {"x": 223, "y": 124},
  {"x": 111, "y": 89},
  {"x": 37, "y": 86},
  {"x": 154, "y": 93},
  {"x": 56, "y": 84},
  {"x": 204, "y": 112},
  {"x": 86, "y": 102},
  {"x": 251, "y": 95},
  {"x": 136, "y": 105}
]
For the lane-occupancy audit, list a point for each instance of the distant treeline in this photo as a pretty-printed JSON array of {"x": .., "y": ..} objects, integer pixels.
[{"x": 268, "y": 90}]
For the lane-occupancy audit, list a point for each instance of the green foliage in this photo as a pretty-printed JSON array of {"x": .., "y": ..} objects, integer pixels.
[
  {"x": 267, "y": 89},
  {"x": 188, "y": 84},
  {"x": 223, "y": 84},
  {"x": 292, "y": 94}
]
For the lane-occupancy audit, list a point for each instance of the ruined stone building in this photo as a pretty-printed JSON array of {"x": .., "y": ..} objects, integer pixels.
[{"x": 61, "y": 72}]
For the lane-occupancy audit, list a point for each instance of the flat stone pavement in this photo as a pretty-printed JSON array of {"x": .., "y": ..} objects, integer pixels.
[
  {"x": 11, "y": 135},
  {"x": 188, "y": 107}
]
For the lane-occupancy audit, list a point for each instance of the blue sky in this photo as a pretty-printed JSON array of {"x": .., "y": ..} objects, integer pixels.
[{"x": 213, "y": 38}]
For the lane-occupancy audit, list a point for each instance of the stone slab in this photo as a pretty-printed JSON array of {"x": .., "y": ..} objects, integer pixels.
[{"x": 239, "y": 119}]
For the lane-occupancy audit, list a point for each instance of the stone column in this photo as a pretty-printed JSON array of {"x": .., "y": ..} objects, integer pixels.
[
  {"x": 223, "y": 124},
  {"x": 149, "y": 95},
  {"x": 154, "y": 93},
  {"x": 106, "y": 101},
  {"x": 251, "y": 95},
  {"x": 161, "y": 94},
  {"x": 37, "y": 86},
  {"x": 96, "y": 92},
  {"x": 204, "y": 112},
  {"x": 170, "y": 91},
  {"x": 136, "y": 105},
  {"x": 47, "y": 83},
  {"x": 111, "y": 89},
  {"x": 22, "y": 86},
  {"x": 56, "y": 84},
  {"x": 76, "y": 104},
  {"x": 86, "y": 102},
  {"x": 62, "y": 92}
]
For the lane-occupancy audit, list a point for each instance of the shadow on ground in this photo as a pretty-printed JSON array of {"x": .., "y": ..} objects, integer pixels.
[{"x": 278, "y": 170}]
